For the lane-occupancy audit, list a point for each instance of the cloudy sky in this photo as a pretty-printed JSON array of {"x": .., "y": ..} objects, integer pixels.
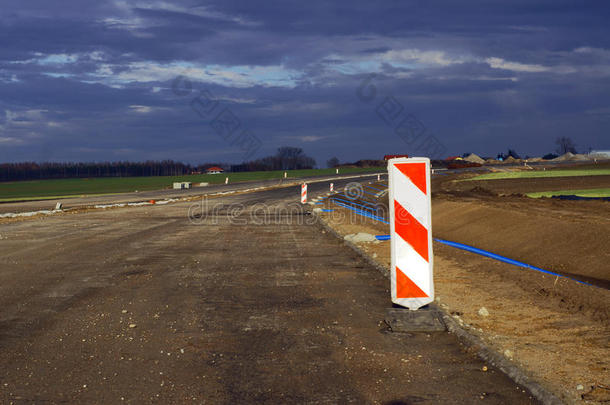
[{"x": 226, "y": 80}]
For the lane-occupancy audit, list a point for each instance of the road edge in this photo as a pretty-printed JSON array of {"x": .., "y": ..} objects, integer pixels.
[{"x": 482, "y": 350}]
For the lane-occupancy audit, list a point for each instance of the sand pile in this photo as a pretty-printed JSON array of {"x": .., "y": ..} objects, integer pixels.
[
  {"x": 571, "y": 157},
  {"x": 563, "y": 158},
  {"x": 511, "y": 159},
  {"x": 474, "y": 159}
]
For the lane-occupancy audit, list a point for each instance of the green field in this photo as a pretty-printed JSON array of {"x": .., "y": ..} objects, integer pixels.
[
  {"x": 595, "y": 192},
  {"x": 64, "y": 188},
  {"x": 539, "y": 173}
]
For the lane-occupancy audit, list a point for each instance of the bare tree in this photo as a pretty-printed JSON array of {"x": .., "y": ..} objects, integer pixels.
[
  {"x": 332, "y": 162},
  {"x": 289, "y": 157},
  {"x": 565, "y": 145}
]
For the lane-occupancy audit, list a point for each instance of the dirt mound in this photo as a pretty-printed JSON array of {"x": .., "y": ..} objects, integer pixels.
[
  {"x": 563, "y": 158},
  {"x": 492, "y": 161},
  {"x": 535, "y": 159},
  {"x": 570, "y": 157},
  {"x": 474, "y": 159},
  {"x": 511, "y": 159}
]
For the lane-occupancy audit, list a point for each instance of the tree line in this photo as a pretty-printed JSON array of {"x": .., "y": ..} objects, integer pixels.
[
  {"x": 286, "y": 158},
  {"x": 66, "y": 170}
]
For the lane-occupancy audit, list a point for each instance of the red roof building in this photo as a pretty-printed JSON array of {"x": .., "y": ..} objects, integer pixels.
[{"x": 214, "y": 170}]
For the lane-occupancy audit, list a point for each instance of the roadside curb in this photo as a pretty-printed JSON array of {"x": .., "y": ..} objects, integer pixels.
[{"x": 483, "y": 351}]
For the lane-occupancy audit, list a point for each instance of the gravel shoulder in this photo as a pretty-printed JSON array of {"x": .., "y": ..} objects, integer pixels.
[{"x": 554, "y": 329}]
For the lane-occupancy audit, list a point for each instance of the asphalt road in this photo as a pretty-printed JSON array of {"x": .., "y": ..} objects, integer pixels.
[
  {"x": 246, "y": 301},
  {"x": 77, "y": 202}
]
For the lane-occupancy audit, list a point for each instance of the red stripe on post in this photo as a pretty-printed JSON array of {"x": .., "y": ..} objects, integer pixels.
[
  {"x": 416, "y": 172},
  {"x": 410, "y": 230},
  {"x": 406, "y": 288}
]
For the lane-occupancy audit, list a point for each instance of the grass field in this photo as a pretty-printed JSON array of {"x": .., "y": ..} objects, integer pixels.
[
  {"x": 596, "y": 192},
  {"x": 64, "y": 188},
  {"x": 539, "y": 174}
]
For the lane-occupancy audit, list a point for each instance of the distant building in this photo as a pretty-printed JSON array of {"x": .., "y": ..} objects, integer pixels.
[
  {"x": 214, "y": 170},
  {"x": 600, "y": 154}
]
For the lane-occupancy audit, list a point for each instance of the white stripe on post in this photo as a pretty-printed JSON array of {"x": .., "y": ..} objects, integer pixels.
[
  {"x": 411, "y": 198},
  {"x": 304, "y": 193},
  {"x": 411, "y": 232}
]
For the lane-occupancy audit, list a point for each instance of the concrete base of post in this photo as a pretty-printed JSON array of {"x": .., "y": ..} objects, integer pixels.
[{"x": 426, "y": 319}]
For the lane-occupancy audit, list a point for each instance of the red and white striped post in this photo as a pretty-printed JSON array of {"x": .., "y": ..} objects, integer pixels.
[
  {"x": 304, "y": 193},
  {"x": 332, "y": 187},
  {"x": 411, "y": 232}
]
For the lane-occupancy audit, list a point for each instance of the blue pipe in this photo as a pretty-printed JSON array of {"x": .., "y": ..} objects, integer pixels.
[
  {"x": 364, "y": 204},
  {"x": 374, "y": 188},
  {"x": 351, "y": 198},
  {"x": 363, "y": 213},
  {"x": 485, "y": 253},
  {"x": 504, "y": 259}
]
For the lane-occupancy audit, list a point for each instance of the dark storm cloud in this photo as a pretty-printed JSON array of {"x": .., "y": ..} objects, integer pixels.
[{"x": 90, "y": 82}]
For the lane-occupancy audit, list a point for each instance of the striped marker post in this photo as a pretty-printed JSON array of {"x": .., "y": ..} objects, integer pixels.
[
  {"x": 304, "y": 193},
  {"x": 411, "y": 232},
  {"x": 332, "y": 187}
]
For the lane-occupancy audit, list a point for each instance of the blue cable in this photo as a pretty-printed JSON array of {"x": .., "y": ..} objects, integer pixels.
[
  {"x": 378, "y": 189},
  {"x": 485, "y": 253},
  {"x": 364, "y": 203},
  {"x": 363, "y": 213},
  {"x": 366, "y": 192}
]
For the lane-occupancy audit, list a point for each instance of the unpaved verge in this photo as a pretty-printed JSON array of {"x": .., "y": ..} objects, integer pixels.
[
  {"x": 562, "y": 345},
  {"x": 555, "y": 238}
]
